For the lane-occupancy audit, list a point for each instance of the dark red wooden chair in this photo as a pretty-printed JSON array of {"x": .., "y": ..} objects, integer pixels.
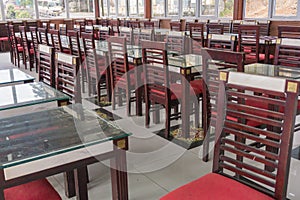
[
  {"x": 149, "y": 25},
  {"x": 28, "y": 50},
  {"x": 122, "y": 79},
  {"x": 175, "y": 26},
  {"x": 221, "y": 41},
  {"x": 213, "y": 61},
  {"x": 46, "y": 65},
  {"x": 238, "y": 168},
  {"x": 212, "y": 28},
  {"x": 43, "y": 36},
  {"x": 35, "y": 44},
  {"x": 158, "y": 86},
  {"x": 285, "y": 31},
  {"x": 18, "y": 50},
  {"x": 287, "y": 52},
  {"x": 197, "y": 36}
]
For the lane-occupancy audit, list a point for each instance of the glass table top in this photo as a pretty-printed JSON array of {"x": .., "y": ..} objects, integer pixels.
[
  {"x": 185, "y": 61},
  {"x": 46, "y": 133},
  {"x": 14, "y": 96},
  {"x": 8, "y": 76},
  {"x": 272, "y": 70}
]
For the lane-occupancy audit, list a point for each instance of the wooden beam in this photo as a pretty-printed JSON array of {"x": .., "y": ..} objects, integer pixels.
[
  {"x": 238, "y": 10},
  {"x": 147, "y": 7},
  {"x": 97, "y": 9}
]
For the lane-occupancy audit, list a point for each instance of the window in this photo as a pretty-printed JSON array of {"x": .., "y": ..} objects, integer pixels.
[
  {"x": 225, "y": 8},
  {"x": 81, "y": 8},
  {"x": 112, "y": 8},
  {"x": 158, "y": 8},
  {"x": 173, "y": 8},
  {"x": 51, "y": 9},
  {"x": 105, "y": 8},
  {"x": 22, "y": 9},
  {"x": 256, "y": 8},
  {"x": 208, "y": 7},
  {"x": 285, "y": 8},
  {"x": 122, "y": 8},
  {"x": 141, "y": 8},
  {"x": 189, "y": 8},
  {"x": 133, "y": 9}
]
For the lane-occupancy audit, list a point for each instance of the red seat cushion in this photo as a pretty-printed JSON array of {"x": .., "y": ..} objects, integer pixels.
[
  {"x": 215, "y": 187},
  {"x": 176, "y": 89},
  {"x": 261, "y": 57},
  {"x": 20, "y": 49},
  {"x": 3, "y": 38},
  {"x": 36, "y": 190}
]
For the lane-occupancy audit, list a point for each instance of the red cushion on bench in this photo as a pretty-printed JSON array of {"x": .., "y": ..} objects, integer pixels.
[
  {"x": 215, "y": 187},
  {"x": 36, "y": 190}
]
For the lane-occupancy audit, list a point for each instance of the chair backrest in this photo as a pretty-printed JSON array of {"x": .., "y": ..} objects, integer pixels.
[
  {"x": 52, "y": 26},
  {"x": 34, "y": 38},
  {"x": 156, "y": 71},
  {"x": 288, "y": 31},
  {"x": 56, "y": 40},
  {"x": 12, "y": 36},
  {"x": 88, "y": 41},
  {"x": 114, "y": 25},
  {"x": 67, "y": 77},
  {"x": 118, "y": 61},
  {"x": 234, "y": 154},
  {"x": 75, "y": 44},
  {"x": 176, "y": 42},
  {"x": 89, "y": 22},
  {"x": 264, "y": 27},
  {"x": 45, "y": 25},
  {"x": 215, "y": 28},
  {"x": 248, "y": 42},
  {"x": 3, "y": 29},
  {"x": 213, "y": 61},
  {"x": 227, "y": 25},
  {"x": 221, "y": 41},
  {"x": 30, "y": 23},
  {"x": 142, "y": 34},
  {"x": 149, "y": 25},
  {"x": 127, "y": 33},
  {"x": 63, "y": 29},
  {"x": 43, "y": 36},
  {"x": 24, "y": 40},
  {"x": 175, "y": 26},
  {"x": 134, "y": 24},
  {"x": 235, "y": 26},
  {"x": 196, "y": 32},
  {"x": 104, "y": 33},
  {"x": 46, "y": 67},
  {"x": 287, "y": 52}
]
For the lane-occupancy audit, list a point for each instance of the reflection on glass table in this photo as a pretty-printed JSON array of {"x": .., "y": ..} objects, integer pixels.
[
  {"x": 273, "y": 70},
  {"x": 10, "y": 76},
  {"x": 15, "y": 96}
]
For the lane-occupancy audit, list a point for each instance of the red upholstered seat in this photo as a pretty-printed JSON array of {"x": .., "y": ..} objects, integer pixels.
[
  {"x": 261, "y": 57},
  {"x": 177, "y": 90},
  {"x": 36, "y": 190},
  {"x": 215, "y": 187},
  {"x": 3, "y": 38}
]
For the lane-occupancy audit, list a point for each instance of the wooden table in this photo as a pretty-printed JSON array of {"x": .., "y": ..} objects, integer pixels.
[
  {"x": 14, "y": 76},
  {"x": 63, "y": 139},
  {"x": 15, "y": 96}
]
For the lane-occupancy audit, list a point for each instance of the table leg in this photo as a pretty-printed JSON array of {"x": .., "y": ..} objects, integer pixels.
[
  {"x": 185, "y": 110},
  {"x": 80, "y": 175},
  {"x": 139, "y": 90},
  {"x": 119, "y": 171},
  {"x": 69, "y": 184}
]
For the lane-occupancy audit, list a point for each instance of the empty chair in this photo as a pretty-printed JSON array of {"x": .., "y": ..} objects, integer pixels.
[
  {"x": 3, "y": 36},
  {"x": 18, "y": 50},
  {"x": 28, "y": 51},
  {"x": 134, "y": 24},
  {"x": 288, "y": 31},
  {"x": 221, "y": 41},
  {"x": 52, "y": 26},
  {"x": 287, "y": 52},
  {"x": 248, "y": 42},
  {"x": 35, "y": 44},
  {"x": 264, "y": 27},
  {"x": 66, "y": 75},
  {"x": 30, "y": 23},
  {"x": 175, "y": 26},
  {"x": 149, "y": 25},
  {"x": 46, "y": 65},
  {"x": 104, "y": 33},
  {"x": 177, "y": 44},
  {"x": 143, "y": 34},
  {"x": 43, "y": 36},
  {"x": 114, "y": 25},
  {"x": 235, "y": 26},
  {"x": 197, "y": 36},
  {"x": 122, "y": 79},
  {"x": 213, "y": 61},
  {"x": 127, "y": 33},
  {"x": 56, "y": 40},
  {"x": 238, "y": 170},
  {"x": 227, "y": 25},
  {"x": 62, "y": 29},
  {"x": 215, "y": 28}
]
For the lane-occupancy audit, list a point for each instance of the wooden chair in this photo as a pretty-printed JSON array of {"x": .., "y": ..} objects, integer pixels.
[
  {"x": 95, "y": 67},
  {"x": 46, "y": 65},
  {"x": 214, "y": 28},
  {"x": 4, "y": 40},
  {"x": 52, "y": 26},
  {"x": 177, "y": 43},
  {"x": 248, "y": 42},
  {"x": 104, "y": 33},
  {"x": 56, "y": 40},
  {"x": 127, "y": 33},
  {"x": 30, "y": 23},
  {"x": 35, "y": 44},
  {"x": 43, "y": 36},
  {"x": 285, "y": 31},
  {"x": 264, "y": 27},
  {"x": 235, "y": 26},
  {"x": 122, "y": 79},
  {"x": 197, "y": 36},
  {"x": 220, "y": 41},
  {"x": 114, "y": 25},
  {"x": 134, "y": 24},
  {"x": 149, "y": 25},
  {"x": 63, "y": 29},
  {"x": 215, "y": 60},
  {"x": 18, "y": 50},
  {"x": 227, "y": 25},
  {"x": 287, "y": 52},
  {"x": 28, "y": 51},
  {"x": 89, "y": 22},
  {"x": 175, "y": 26},
  {"x": 158, "y": 87},
  {"x": 238, "y": 170},
  {"x": 67, "y": 77},
  {"x": 143, "y": 34}
]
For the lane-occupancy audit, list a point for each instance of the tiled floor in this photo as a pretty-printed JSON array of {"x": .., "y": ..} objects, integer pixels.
[{"x": 155, "y": 165}]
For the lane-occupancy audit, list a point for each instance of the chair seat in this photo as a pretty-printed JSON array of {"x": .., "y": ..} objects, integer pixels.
[
  {"x": 215, "y": 187},
  {"x": 36, "y": 190},
  {"x": 3, "y": 38}
]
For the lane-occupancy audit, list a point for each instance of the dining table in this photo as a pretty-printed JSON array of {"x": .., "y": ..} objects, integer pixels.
[
  {"x": 63, "y": 139},
  {"x": 14, "y": 76},
  {"x": 16, "y": 96}
]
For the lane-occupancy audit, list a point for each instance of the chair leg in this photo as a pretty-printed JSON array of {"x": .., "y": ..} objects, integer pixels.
[
  {"x": 147, "y": 113},
  {"x": 168, "y": 125},
  {"x": 113, "y": 98},
  {"x": 197, "y": 112},
  {"x": 128, "y": 101}
]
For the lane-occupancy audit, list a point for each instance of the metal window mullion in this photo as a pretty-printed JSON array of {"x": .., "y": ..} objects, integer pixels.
[
  {"x": 180, "y": 9},
  {"x": 217, "y": 8},
  {"x": 36, "y": 9},
  {"x": 197, "y": 11},
  {"x": 67, "y": 10},
  {"x": 166, "y": 8},
  {"x": 2, "y": 10},
  {"x": 271, "y": 11}
]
